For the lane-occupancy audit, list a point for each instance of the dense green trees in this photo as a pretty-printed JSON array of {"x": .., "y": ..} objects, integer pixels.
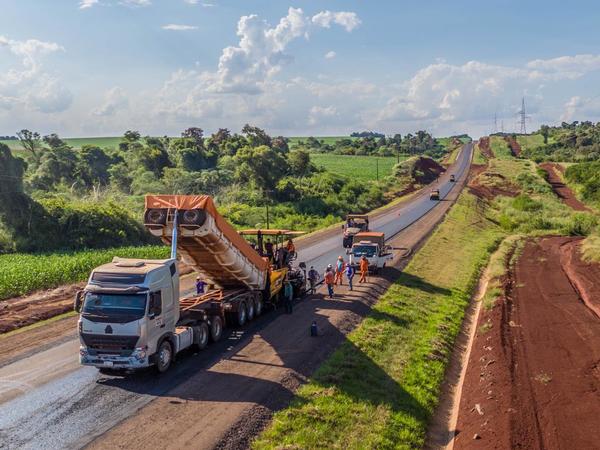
[{"x": 573, "y": 142}]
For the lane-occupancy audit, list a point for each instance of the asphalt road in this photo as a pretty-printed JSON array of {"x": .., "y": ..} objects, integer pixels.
[{"x": 48, "y": 401}]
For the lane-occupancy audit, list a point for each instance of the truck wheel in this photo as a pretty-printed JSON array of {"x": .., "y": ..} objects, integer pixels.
[
  {"x": 216, "y": 328},
  {"x": 201, "y": 333},
  {"x": 242, "y": 314},
  {"x": 164, "y": 356},
  {"x": 250, "y": 310},
  {"x": 258, "y": 307}
]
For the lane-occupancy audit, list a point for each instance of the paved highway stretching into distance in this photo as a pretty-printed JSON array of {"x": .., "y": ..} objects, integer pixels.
[{"x": 47, "y": 400}]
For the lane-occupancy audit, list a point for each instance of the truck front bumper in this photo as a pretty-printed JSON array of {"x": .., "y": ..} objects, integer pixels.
[{"x": 113, "y": 361}]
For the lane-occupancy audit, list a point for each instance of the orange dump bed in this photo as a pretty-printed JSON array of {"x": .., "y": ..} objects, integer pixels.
[{"x": 205, "y": 240}]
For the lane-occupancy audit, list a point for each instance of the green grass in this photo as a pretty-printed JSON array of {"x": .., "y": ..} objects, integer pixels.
[
  {"x": 478, "y": 157},
  {"x": 380, "y": 388},
  {"x": 358, "y": 167},
  {"x": 24, "y": 273},
  {"x": 104, "y": 142},
  {"x": 500, "y": 148},
  {"x": 590, "y": 248}
]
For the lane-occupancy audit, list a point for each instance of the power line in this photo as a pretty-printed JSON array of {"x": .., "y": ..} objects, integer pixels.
[{"x": 523, "y": 117}]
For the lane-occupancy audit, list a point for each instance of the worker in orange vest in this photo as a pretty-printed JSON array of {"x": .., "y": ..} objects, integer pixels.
[
  {"x": 340, "y": 265},
  {"x": 364, "y": 269},
  {"x": 329, "y": 280}
]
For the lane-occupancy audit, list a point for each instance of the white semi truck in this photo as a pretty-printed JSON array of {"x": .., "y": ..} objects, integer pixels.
[{"x": 131, "y": 314}]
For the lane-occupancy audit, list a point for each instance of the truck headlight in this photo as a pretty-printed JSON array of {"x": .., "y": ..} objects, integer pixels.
[
  {"x": 83, "y": 352},
  {"x": 139, "y": 353}
]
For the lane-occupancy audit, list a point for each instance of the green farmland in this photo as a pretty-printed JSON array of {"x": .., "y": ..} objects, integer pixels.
[
  {"x": 358, "y": 167},
  {"x": 104, "y": 142}
]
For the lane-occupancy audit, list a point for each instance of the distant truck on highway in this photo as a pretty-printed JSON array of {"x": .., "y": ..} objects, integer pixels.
[
  {"x": 131, "y": 313},
  {"x": 355, "y": 223},
  {"x": 434, "y": 194},
  {"x": 372, "y": 246}
]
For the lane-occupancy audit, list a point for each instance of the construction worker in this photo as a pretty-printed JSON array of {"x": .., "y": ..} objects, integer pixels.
[
  {"x": 313, "y": 278},
  {"x": 200, "y": 285},
  {"x": 291, "y": 248},
  {"x": 350, "y": 274},
  {"x": 340, "y": 265},
  {"x": 269, "y": 249},
  {"x": 329, "y": 279},
  {"x": 288, "y": 292},
  {"x": 364, "y": 269}
]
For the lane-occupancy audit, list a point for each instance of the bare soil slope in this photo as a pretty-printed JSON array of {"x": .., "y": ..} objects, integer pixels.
[
  {"x": 561, "y": 189},
  {"x": 533, "y": 379}
]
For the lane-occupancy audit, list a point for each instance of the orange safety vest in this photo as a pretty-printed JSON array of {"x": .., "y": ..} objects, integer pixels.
[
  {"x": 329, "y": 279},
  {"x": 364, "y": 265}
]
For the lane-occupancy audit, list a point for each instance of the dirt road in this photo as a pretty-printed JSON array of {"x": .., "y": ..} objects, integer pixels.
[
  {"x": 220, "y": 396},
  {"x": 533, "y": 378},
  {"x": 560, "y": 188}
]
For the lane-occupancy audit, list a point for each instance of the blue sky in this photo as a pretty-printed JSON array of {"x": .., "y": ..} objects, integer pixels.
[{"x": 99, "y": 67}]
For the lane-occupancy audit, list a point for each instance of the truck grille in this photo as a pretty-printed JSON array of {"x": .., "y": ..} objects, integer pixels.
[{"x": 121, "y": 345}]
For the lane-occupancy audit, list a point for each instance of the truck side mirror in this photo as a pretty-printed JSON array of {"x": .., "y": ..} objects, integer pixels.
[{"x": 78, "y": 301}]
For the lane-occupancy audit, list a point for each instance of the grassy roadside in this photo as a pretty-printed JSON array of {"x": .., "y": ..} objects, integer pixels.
[
  {"x": 379, "y": 389},
  {"x": 478, "y": 157}
]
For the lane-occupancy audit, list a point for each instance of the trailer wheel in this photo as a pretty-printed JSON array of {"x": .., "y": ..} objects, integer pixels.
[
  {"x": 201, "y": 334},
  {"x": 258, "y": 306},
  {"x": 216, "y": 328},
  {"x": 250, "y": 310},
  {"x": 164, "y": 356},
  {"x": 242, "y": 314}
]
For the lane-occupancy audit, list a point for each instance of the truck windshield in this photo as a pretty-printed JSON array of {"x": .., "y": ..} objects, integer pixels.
[
  {"x": 366, "y": 250},
  {"x": 114, "y": 307}
]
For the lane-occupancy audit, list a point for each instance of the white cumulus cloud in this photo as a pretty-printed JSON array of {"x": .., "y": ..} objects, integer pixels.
[
  {"x": 348, "y": 20},
  {"x": 85, "y": 4},
  {"x": 179, "y": 27},
  {"x": 330, "y": 54},
  {"x": 136, "y": 3},
  {"x": 115, "y": 100},
  {"x": 29, "y": 85}
]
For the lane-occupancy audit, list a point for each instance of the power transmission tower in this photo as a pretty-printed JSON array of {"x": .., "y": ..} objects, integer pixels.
[
  {"x": 502, "y": 125},
  {"x": 495, "y": 123},
  {"x": 523, "y": 117}
]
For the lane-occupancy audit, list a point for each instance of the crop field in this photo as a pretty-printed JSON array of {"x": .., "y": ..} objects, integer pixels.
[
  {"x": 22, "y": 273},
  {"x": 358, "y": 167},
  {"x": 104, "y": 142}
]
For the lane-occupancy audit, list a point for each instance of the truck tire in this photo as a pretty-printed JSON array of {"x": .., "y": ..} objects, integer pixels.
[
  {"x": 250, "y": 310},
  {"x": 164, "y": 356},
  {"x": 216, "y": 328},
  {"x": 242, "y": 314},
  {"x": 201, "y": 335},
  {"x": 258, "y": 306}
]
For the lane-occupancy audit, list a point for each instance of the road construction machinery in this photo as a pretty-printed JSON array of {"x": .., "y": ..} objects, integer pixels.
[
  {"x": 355, "y": 223},
  {"x": 131, "y": 313},
  {"x": 372, "y": 246}
]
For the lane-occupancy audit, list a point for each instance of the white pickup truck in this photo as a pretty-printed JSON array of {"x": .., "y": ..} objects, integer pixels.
[{"x": 372, "y": 246}]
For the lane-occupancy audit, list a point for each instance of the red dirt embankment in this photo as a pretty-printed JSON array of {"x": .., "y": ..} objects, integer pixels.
[
  {"x": 561, "y": 189},
  {"x": 533, "y": 378},
  {"x": 484, "y": 147},
  {"x": 515, "y": 147}
]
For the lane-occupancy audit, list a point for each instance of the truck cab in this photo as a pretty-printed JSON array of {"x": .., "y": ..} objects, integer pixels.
[
  {"x": 434, "y": 194},
  {"x": 127, "y": 309},
  {"x": 372, "y": 246}
]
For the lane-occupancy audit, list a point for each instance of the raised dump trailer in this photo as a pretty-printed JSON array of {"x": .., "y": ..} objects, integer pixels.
[{"x": 131, "y": 313}]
